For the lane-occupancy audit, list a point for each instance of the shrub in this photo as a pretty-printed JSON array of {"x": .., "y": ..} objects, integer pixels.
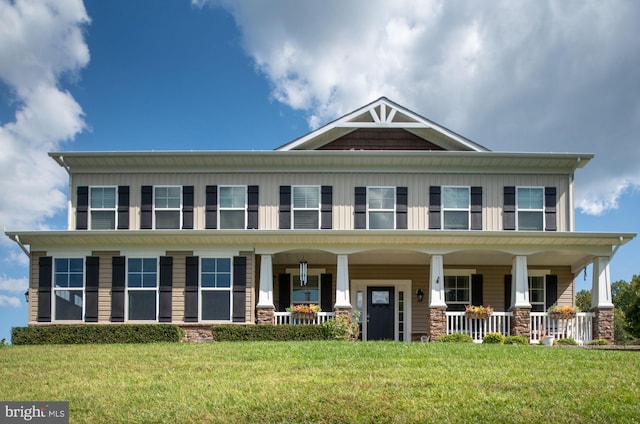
[
  {"x": 566, "y": 342},
  {"x": 83, "y": 334},
  {"x": 343, "y": 328},
  {"x": 493, "y": 338},
  {"x": 599, "y": 342},
  {"x": 455, "y": 338},
  {"x": 236, "y": 333},
  {"x": 518, "y": 340},
  {"x": 3, "y": 343}
]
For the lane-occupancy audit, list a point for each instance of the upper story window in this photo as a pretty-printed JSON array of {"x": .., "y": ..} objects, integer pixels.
[
  {"x": 381, "y": 207},
  {"x": 455, "y": 208},
  {"x": 306, "y": 207},
  {"x": 68, "y": 288},
  {"x": 233, "y": 207},
  {"x": 215, "y": 289},
  {"x": 103, "y": 208},
  {"x": 530, "y": 208},
  {"x": 167, "y": 202},
  {"x": 142, "y": 289}
]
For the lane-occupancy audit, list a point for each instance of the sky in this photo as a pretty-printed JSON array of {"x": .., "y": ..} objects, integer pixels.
[{"x": 525, "y": 76}]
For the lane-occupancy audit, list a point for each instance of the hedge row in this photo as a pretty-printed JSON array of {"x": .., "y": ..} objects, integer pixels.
[
  {"x": 235, "y": 333},
  {"x": 84, "y": 334}
]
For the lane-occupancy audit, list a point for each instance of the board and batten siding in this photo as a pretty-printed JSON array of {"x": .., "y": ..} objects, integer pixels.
[{"x": 343, "y": 192}]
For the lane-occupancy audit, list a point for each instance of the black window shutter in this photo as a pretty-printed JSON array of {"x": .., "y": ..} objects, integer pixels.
[
  {"x": 476, "y": 289},
  {"x": 91, "y": 289},
  {"x": 285, "y": 207},
  {"x": 360, "y": 209},
  {"x": 401, "y": 208},
  {"x": 123, "y": 207},
  {"x": 550, "y": 201},
  {"x": 187, "y": 207},
  {"x": 252, "y": 207},
  {"x": 118, "y": 279},
  {"x": 476, "y": 208},
  {"x": 191, "y": 289},
  {"x": 146, "y": 208},
  {"x": 211, "y": 208},
  {"x": 82, "y": 208},
  {"x": 509, "y": 209},
  {"x": 434, "y": 208},
  {"x": 551, "y": 292},
  {"x": 284, "y": 292},
  {"x": 166, "y": 283},
  {"x": 326, "y": 207},
  {"x": 45, "y": 264},
  {"x": 507, "y": 292},
  {"x": 326, "y": 292},
  {"x": 239, "y": 288}
]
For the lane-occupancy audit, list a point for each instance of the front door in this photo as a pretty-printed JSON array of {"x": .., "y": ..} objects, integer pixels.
[{"x": 380, "y": 313}]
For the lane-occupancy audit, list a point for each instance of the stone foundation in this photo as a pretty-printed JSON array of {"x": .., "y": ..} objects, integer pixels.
[
  {"x": 603, "y": 327},
  {"x": 343, "y": 312},
  {"x": 197, "y": 333},
  {"x": 521, "y": 322},
  {"x": 436, "y": 322},
  {"x": 265, "y": 316}
]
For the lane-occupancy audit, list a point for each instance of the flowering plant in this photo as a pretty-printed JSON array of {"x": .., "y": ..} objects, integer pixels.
[
  {"x": 311, "y": 308},
  {"x": 479, "y": 312},
  {"x": 562, "y": 312}
]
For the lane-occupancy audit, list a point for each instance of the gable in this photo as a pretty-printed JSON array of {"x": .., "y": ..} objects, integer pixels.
[{"x": 383, "y": 125}]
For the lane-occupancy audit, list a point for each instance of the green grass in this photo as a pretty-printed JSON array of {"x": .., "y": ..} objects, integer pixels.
[{"x": 317, "y": 382}]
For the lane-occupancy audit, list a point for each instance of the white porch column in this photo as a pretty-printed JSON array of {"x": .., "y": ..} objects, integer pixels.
[
  {"x": 601, "y": 284},
  {"x": 265, "y": 297},
  {"x": 436, "y": 282},
  {"x": 520, "y": 283},
  {"x": 342, "y": 283}
]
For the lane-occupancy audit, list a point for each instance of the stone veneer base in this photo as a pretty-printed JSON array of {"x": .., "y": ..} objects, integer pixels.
[
  {"x": 603, "y": 325},
  {"x": 436, "y": 322},
  {"x": 521, "y": 322}
]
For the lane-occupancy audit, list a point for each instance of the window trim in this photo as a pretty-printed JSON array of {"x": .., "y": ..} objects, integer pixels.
[
  {"x": 318, "y": 209},
  {"x": 458, "y": 273},
  {"x": 444, "y": 209},
  {"x": 156, "y": 289},
  {"x": 220, "y": 209},
  {"x": 393, "y": 211},
  {"x": 518, "y": 209},
  {"x": 538, "y": 273},
  {"x": 215, "y": 289},
  {"x": 90, "y": 209},
  {"x": 179, "y": 209},
  {"x": 54, "y": 288}
]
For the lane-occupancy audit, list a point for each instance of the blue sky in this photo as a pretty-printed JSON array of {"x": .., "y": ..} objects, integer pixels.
[{"x": 235, "y": 75}]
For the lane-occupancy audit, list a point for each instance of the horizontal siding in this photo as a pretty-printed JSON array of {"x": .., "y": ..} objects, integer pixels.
[
  {"x": 251, "y": 284},
  {"x": 33, "y": 284},
  {"x": 104, "y": 305},
  {"x": 177, "y": 305},
  {"x": 343, "y": 192}
]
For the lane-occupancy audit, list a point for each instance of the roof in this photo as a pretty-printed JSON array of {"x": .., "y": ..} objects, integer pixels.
[{"x": 383, "y": 113}]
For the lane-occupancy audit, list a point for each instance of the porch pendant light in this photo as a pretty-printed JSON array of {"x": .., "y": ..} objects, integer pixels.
[{"x": 303, "y": 272}]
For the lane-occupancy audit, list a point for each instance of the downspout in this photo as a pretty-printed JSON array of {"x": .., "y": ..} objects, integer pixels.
[{"x": 16, "y": 238}]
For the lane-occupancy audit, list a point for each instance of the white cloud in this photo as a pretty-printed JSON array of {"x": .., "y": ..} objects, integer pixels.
[
  {"x": 12, "y": 301},
  {"x": 513, "y": 76},
  {"x": 41, "y": 43},
  {"x": 13, "y": 284}
]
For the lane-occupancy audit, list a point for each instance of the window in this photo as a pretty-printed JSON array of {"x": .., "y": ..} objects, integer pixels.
[
  {"x": 142, "y": 289},
  {"x": 68, "y": 288},
  {"x": 457, "y": 290},
  {"x": 102, "y": 207},
  {"x": 537, "y": 294},
  {"x": 215, "y": 289},
  {"x": 233, "y": 206},
  {"x": 309, "y": 293},
  {"x": 530, "y": 206},
  {"x": 167, "y": 201},
  {"x": 306, "y": 207},
  {"x": 455, "y": 208},
  {"x": 381, "y": 204}
]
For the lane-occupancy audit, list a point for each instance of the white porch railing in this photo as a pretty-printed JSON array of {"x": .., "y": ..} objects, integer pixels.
[
  {"x": 497, "y": 322},
  {"x": 579, "y": 328},
  {"x": 282, "y": 318}
]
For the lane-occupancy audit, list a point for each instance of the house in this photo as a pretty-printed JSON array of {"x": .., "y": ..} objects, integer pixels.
[{"x": 381, "y": 211}]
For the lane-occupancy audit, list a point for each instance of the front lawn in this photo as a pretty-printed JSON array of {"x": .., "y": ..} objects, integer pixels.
[{"x": 315, "y": 382}]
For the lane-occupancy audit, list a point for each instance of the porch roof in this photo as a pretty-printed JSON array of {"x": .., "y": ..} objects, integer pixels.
[{"x": 569, "y": 248}]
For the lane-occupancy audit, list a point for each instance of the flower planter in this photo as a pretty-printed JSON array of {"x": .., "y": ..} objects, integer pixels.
[
  {"x": 547, "y": 341},
  {"x": 471, "y": 315},
  {"x": 562, "y": 316},
  {"x": 304, "y": 316}
]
